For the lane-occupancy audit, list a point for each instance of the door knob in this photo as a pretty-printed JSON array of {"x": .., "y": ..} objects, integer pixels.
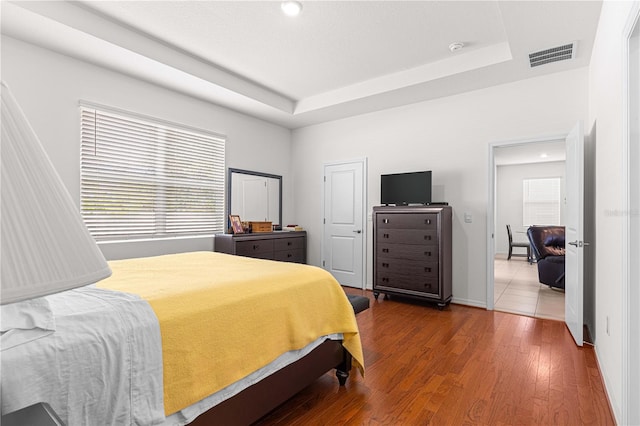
[
  {"x": 358, "y": 231},
  {"x": 578, "y": 243}
]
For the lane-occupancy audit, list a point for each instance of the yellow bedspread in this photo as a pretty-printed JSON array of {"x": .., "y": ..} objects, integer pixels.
[{"x": 222, "y": 317}]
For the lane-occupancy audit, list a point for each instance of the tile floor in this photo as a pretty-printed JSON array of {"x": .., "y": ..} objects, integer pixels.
[{"x": 517, "y": 290}]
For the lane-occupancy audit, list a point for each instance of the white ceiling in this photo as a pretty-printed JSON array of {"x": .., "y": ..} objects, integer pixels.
[
  {"x": 526, "y": 153},
  {"x": 336, "y": 59}
]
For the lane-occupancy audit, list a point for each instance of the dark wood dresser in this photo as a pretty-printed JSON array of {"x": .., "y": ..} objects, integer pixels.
[
  {"x": 287, "y": 246},
  {"x": 412, "y": 252}
]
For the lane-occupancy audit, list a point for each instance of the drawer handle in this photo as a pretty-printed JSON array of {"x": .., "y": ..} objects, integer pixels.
[
  {"x": 427, "y": 237},
  {"x": 385, "y": 265},
  {"x": 289, "y": 243},
  {"x": 385, "y": 280},
  {"x": 427, "y": 285},
  {"x": 289, "y": 254},
  {"x": 385, "y": 235},
  {"x": 385, "y": 220},
  {"x": 427, "y": 269},
  {"x": 256, "y": 246},
  {"x": 427, "y": 253},
  {"x": 385, "y": 250},
  {"x": 427, "y": 221}
]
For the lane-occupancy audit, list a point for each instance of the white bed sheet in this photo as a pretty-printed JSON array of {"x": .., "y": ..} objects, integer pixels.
[{"x": 103, "y": 364}]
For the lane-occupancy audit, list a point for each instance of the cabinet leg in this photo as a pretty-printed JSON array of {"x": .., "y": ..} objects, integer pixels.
[{"x": 376, "y": 294}]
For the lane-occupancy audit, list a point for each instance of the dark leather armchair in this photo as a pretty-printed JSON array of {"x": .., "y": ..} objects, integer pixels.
[{"x": 548, "y": 245}]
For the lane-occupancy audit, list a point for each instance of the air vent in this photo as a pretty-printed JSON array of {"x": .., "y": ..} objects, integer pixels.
[{"x": 555, "y": 54}]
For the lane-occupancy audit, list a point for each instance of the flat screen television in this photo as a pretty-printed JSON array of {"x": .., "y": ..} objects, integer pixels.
[{"x": 405, "y": 188}]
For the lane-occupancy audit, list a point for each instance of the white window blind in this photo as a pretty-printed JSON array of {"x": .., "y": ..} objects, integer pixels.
[
  {"x": 541, "y": 201},
  {"x": 147, "y": 179}
]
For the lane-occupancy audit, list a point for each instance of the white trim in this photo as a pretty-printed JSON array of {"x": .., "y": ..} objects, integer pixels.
[
  {"x": 630, "y": 326},
  {"x": 365, "y": 204},
  {"x": 468, "y": 302},
  {"x": 491, "y": 220}
]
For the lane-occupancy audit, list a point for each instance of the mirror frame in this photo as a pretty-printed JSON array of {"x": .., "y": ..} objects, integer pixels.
[{"x": 253, "y": 173}]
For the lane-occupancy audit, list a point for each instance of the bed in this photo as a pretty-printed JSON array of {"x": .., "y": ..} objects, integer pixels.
[{"x": 201, "y": 338}]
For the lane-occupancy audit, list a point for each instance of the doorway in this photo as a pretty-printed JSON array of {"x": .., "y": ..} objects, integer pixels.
[
  {"x": 528, "y": 189},
  {"x": 344, "y": 220}
]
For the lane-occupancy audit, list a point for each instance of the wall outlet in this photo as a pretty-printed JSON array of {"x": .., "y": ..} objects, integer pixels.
[{"x": 468, "y": 218}]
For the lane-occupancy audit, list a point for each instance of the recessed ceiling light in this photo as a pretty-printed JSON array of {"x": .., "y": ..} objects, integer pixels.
[
  {"x": 291, "y": 8},
  {"x": 456, "y": 46},
  {"x": 544, "y": 155}
]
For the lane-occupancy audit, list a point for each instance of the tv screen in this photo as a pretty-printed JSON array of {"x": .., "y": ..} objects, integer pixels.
[{"x": 406, "y": 188}]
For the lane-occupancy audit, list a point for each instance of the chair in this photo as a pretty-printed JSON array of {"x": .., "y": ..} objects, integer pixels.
[
  {"x": 513, "y": 244},
  {"x": 548, "y": 245}
]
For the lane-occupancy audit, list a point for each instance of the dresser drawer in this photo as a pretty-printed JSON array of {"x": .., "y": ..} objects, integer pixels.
[
  {"x": 408, "y": 251},
  {"x": 255, "y": 248},
  {"x": 408, "y": 285},
  {"x": 407, "y": 236},
  {"x": 407, "y": 268},
  {"x": 288, "y": 243},
  {"x": 406, "y": 221},
  {"x": 293, "y": 255}
]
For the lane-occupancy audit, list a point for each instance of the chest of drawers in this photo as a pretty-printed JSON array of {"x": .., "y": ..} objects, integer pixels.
[
  {"x": 412, "y": 252},
  {"x": 287, "y": 246}
]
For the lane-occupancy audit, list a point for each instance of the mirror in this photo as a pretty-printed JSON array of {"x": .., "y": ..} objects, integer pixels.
[{"x": 255, "y": 196}]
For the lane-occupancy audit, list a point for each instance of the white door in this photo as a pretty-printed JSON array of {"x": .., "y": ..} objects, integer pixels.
[
  {"x": 573, "y": 297},
  {"x": 344, "y": 223}
]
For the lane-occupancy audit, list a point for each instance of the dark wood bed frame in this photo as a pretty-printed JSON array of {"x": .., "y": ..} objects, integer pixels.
[{"x": 258, "y": 400}]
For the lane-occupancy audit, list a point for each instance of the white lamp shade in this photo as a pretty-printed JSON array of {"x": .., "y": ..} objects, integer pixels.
[{"x": 44, "y": 245}]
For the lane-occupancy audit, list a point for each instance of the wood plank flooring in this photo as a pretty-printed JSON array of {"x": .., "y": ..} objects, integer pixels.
[{"x": 459, "y": 366}]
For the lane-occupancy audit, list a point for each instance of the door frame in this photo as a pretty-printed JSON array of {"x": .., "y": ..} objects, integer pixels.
[
  {"x": 630, "y": 231},
  {"x": 365, "y": 192},
  {"x": 491, "y": 206}
]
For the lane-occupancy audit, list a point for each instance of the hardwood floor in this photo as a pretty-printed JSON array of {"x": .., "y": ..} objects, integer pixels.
[{"x": 459, "y": 366}]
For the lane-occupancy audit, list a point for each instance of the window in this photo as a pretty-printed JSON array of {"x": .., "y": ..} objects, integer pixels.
[
  {"x": 142, "y": 178},
  {"x": 541, "y": 201}
]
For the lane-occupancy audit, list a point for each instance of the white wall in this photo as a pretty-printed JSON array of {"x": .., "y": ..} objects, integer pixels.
[
  {"x": 449, "y": 136},
  {"x": 606, "y": 116},
  {"x": 48, "y": 86},
  {"x": 509, "y": 198}
]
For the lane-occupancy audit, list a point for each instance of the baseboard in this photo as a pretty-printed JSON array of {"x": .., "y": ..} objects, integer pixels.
[
  {"x": 474, "y": 303},
  {"x": 605, "y": 384}
]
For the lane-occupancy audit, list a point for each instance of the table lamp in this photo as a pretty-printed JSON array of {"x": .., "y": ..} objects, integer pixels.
[{"x": 45, "y": 247}]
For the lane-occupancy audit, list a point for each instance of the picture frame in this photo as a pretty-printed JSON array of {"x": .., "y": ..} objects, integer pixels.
[{"x": 236, "y": 224}]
